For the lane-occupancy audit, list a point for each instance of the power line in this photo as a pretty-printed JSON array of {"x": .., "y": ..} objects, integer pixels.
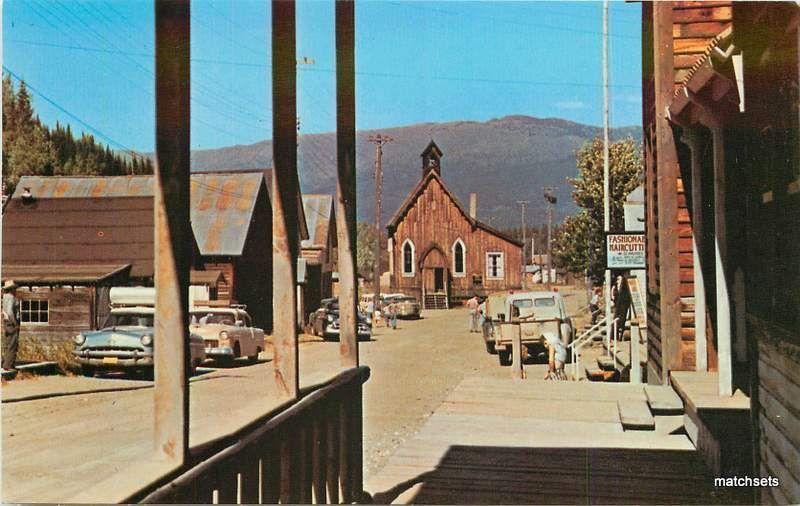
[
  {"x": 358, "y": 73},
  {"x": 71, "y": 115}
]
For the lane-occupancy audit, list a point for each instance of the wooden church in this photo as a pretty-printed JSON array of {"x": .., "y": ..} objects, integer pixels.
[{"x": 441, "y": 253}]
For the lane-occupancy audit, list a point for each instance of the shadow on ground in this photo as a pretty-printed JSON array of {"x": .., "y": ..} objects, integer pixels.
[{"x": 506, "y": 475}]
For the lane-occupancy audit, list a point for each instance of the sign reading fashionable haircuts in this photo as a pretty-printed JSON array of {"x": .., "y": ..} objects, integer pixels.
[{"x": 625, "y": 251}]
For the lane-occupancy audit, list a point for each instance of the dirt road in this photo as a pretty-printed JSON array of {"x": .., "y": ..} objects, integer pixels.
[{"x": 54, "y": 447}]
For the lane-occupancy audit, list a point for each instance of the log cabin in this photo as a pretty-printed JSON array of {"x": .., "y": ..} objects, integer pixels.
[
  {"x": 721, "y": 110},
  {"x": 441, "y": 253},
  {"x": 67, "y": 240}
]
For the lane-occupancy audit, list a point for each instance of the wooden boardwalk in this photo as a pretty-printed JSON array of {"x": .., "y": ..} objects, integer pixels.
[{"x": 495, "y": 441}]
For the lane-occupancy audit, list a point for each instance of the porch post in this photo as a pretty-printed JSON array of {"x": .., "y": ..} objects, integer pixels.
[
  {"x": 692, "y": 138},
  {"x": 723, "y": 297},
  {"x": 346, "y": 183},
  {"x": 173, "y": 233},
  {"x": 285, "y": 233}
]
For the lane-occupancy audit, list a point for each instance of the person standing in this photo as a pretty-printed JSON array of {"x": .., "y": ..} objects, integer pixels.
[
  {"x": 621, "y": 297},
  {"x": 472, "y": 305},
  {"x": 391, "y": 315},
  {"x": 11, "y": 325},
  {"x": 594, "y": 304}
]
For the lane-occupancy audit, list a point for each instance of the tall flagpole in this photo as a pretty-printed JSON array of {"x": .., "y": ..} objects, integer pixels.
[{"x": 606, "y": 170}]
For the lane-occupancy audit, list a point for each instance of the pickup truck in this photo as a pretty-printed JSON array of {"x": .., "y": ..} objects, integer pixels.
[{"x": 537, "y": 314}]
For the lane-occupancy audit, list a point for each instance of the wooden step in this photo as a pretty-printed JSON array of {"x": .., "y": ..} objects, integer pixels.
[
  {"x": 605, "y": 363},
  {"x": 600, "y": 375},
  {"x": 663, "y": 400},
  {"x": 669, "y": 424},
  {"x": 635, "y": 415}
]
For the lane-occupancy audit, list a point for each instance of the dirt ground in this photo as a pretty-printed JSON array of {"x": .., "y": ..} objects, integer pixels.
[{"x": 98, "y": 434}]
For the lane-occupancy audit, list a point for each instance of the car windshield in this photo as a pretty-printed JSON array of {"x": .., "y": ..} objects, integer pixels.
[
  {"x": 523, "y": 303},
  {"x": 407, "y": 299},
  {"x": 545, "y": 302},
  {"x": 129, "y": 320},
  {"x": 207, "y": 318}
]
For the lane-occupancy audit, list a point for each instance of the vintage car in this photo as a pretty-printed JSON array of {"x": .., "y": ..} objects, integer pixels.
[
  {"x": 407, "y": 306},
  {"x": 228, "y": 332},
  {"x": 126, "y": 340},
  {"x": 536, "y": 313},
  {"x": 325, "y": 321}
]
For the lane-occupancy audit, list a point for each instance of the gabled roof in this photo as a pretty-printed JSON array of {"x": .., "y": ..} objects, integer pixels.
[
  {"x": 417, "y": 191},
  {"x": 221, "y": 204},
  {"x": 318, "y": 210},
  {"x": 432, "y": 147}
]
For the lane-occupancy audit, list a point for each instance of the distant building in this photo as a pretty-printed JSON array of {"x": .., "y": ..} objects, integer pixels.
[
  {"x": 319, "y": 250},
  {"x": 66, "y": 240},
  {"x": 440, "y": 252}
]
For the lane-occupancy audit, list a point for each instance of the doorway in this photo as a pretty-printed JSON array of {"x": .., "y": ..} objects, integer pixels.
[{"x": 438, "y": 279}]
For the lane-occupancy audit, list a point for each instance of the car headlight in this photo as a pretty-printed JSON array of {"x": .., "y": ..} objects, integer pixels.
[
  {"x": 329, "y": 318},
  {"x": 79, "y": 339},
  {"x": 147, "y": 340}
]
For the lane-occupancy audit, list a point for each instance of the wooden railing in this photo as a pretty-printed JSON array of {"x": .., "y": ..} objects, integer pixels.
[{"x": 308, "y": 452}]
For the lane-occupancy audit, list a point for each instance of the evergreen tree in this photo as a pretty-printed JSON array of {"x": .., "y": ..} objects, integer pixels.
[{"x": 579, "y": 245}]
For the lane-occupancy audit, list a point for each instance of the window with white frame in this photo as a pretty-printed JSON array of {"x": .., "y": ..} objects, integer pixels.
[
  {"x": 34, "y": 311},
  {"x": 459, "y": 259},
  {"x": 494, "y": 265},
  {"x": 408, "y": 258}
]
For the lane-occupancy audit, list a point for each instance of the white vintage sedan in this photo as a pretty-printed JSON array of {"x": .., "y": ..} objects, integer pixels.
[{"x": 228, "y": 333}]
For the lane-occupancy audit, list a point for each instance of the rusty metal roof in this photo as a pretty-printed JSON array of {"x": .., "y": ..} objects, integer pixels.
[
  {"x": 67, "y": 231},
  {"x": 318, "y": 210},
  {"x": 222, "y": 203},
  {"x": 78, "y": 274}
]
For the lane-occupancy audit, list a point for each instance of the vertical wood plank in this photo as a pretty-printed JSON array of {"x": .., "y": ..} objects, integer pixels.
[
  {"x": 249, "y": 470},
  {"x": 345, "y": 462},
  {"x": 173, "y": 234},
  {"x": 346, "y": 181},
  {"x": 318, "y": 459},
  {"x": 667, "y": 193},
  {"x": 270, "y": 473},
  {"x": 333, "y": 443},
  {"x": 285, "y": 233}
]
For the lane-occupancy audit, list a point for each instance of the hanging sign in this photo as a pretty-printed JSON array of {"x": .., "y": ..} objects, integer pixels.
[{"x": 625, "y": 251}]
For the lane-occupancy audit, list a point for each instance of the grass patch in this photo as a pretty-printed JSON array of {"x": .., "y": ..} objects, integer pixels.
[{"x": 31, "y": 350}]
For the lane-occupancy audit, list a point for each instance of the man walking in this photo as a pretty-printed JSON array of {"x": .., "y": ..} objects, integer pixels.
[
  {"x": 472, "y": 305},
  {"x": 10, "y": 325}
]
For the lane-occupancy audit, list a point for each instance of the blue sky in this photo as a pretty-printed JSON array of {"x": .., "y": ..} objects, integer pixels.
[{"x": 415, "y": 61}]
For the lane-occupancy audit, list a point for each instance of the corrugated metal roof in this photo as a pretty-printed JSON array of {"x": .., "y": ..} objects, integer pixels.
[
  {"x": 61, "y": 273},
  {"x": 222, "y": 203},
  {"x": 318, "y": 210}
]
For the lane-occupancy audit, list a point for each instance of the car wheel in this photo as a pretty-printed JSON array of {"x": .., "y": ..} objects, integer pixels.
[
  {"x": 88, "y": 371},
  {"x": 254, "y": 358},
  {"x": 490, "y": 349},
  {"x": 237, "y": 350},
  {"x": 504, "y": 356}
]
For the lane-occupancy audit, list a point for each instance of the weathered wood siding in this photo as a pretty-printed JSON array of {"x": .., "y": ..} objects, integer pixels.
[
  {"x": 70, "y": 312},
  {"x": 665, "y": 58},
  {"x": 779, "y": 413},
  {"x": 435, "y": 221}
]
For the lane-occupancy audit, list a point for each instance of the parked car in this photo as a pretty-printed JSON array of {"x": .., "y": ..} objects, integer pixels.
[
  {"x": 228, "y": 332},
  {"x": 325, "y": 321},
  {"x": 126, "y": 340},
  {"x": 407, "y": 306},
  {"x": 537, "y": 313}
]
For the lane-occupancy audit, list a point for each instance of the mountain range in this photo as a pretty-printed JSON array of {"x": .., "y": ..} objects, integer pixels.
[{"x": 502, "y": 160}]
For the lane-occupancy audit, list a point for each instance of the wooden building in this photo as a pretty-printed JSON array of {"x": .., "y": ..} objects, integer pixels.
[
  {"x": 722, "y": 197},
  {"x": 58, "y": 230},
  {"x": 319, "y": 251},
  {"x": 440, "y": 252}
]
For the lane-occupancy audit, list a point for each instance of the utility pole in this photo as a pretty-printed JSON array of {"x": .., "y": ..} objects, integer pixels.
[
  {"x": 523, "y": 204},
  {"x": 379, "y": 140},
  {"x": 606, "y": 172},
  {"x": 551, "y": 200}
]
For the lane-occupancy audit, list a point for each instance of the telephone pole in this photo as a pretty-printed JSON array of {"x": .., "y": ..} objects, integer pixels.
[
  {"x": 523, "y": 204},
  {"x": 379, "y": 140},
  {"x": 551, "y": 200}
]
